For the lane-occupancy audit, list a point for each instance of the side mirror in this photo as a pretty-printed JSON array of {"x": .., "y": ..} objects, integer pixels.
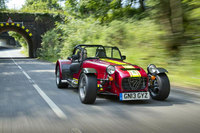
[
  {"x": 69, "y": 58},
  {"x": 123, "y": 57}
]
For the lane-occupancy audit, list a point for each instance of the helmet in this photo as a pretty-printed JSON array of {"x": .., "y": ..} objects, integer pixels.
[{"x": 84, "y": 54}]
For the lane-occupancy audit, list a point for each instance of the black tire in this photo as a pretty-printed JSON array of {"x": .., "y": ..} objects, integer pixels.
[
  {"x": 88, "y": 88},
  {"x": 58, "y": 80},
  {"x": 161, "y": 92}
]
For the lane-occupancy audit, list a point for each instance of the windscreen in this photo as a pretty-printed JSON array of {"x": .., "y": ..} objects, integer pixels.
[
  {"x": 102, "y": 52},
  {"x": 112, "y": 52}
]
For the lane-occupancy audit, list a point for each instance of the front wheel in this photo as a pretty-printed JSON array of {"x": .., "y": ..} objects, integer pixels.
[
  {"x": 58, "y": 80},
  {"x": 88, "y": 88},
  {"x": 160, "y": 87}
]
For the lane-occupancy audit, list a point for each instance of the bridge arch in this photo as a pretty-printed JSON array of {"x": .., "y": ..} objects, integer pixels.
[
  {"x": 19, "y": 28},
  {"x": 36, "y": 23}
]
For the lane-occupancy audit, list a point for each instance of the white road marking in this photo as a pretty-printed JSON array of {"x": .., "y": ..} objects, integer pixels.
[
  {"x": 28, "y": 77},
  {"x": 20, "y": 67},
  {"x": 51, "y": 104}
]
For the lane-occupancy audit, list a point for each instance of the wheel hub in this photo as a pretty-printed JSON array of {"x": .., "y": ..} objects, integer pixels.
[{"x": 82, "y": 88}]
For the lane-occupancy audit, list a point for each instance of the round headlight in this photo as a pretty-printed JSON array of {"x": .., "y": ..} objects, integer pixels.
[
  {"x": 151, "y": 68},
  {"x": 110, "y": 69}
]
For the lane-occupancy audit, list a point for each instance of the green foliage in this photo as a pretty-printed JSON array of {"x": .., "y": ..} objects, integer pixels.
[
  {"x": 71, "y": 6},
  {"x": 41, "y": 5},
  {"x": 51, "y": 45},
  {"x": 18, "y": 37},
  {"x": 117, "y": 33},
  {"x": 104, "y": 10},
  {"x": 192, "y": 21},
  {"x": 2, "y": 4}
]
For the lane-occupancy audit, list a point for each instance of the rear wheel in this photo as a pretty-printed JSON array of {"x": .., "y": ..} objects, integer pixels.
[
  {"x": 88, "y": 88},
  {"x": 160, "y": 88},
  {"x": 58, "y": 80}
]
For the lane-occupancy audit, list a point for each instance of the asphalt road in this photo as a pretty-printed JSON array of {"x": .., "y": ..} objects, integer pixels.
[{"x": 31, "y": 102}]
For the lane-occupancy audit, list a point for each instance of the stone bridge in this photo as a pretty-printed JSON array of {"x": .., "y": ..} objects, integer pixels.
[{"x": 30, "y": 26}]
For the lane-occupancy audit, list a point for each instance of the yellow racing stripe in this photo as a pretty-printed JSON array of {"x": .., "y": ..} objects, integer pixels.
[
  {"x": 133, "y": 73},
  {"x": 113, "y": 61}
]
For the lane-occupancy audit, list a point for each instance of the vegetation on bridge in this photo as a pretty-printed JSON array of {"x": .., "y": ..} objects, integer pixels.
[{"x": 164, "y": 32}]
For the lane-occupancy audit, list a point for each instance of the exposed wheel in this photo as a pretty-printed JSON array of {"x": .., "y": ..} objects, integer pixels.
[
  {"x": 88, "y": 88},
  {"x": 161, "y": 87},
  {"x": 58, "y": 80}
]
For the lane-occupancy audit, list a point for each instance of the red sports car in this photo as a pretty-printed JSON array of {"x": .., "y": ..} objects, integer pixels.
[{"x": 97, "y": 69}]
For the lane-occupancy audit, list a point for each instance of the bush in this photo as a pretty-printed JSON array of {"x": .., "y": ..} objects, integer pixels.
[
  {"x": 51, "y": 45},
  {"x": 130, "y": 35}
]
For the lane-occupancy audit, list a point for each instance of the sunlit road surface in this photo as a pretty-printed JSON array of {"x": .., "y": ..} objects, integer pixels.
[
  {"x": 9, "y": 52},
  {"x": 23, "y": 109}
]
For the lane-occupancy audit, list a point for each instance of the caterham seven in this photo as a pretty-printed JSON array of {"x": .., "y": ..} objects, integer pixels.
[{"x": 97, "y": 69}]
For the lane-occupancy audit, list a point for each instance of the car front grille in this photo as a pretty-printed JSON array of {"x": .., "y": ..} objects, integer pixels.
[{"x": 134, "y": 83}]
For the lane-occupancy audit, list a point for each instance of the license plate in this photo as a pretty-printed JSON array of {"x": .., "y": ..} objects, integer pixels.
[{"x": 134, "y": 96}]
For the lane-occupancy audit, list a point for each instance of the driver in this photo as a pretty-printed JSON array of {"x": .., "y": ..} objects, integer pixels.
[
  {"x": 100, "y": 53},
  {"x": 83, "y": 55}
]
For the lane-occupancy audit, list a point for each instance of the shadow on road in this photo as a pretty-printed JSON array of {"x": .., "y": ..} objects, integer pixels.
[
  {"x": 109, "y": 99},
  {"x": 2, "y": 48}
]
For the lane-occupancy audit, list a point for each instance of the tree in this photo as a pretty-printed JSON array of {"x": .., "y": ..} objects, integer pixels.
[
  {"x": 105, "y": 10},
  {"x": 97, "y": 8},
  {"x": 42, "y": 4},
  {"x": 2, "y": 4},
  {"x": 142, "y": 6},
  {"x": 71, "y": 5},
  {"x": 170, "y": 15},
  {"x": 172, "y": 19}
]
